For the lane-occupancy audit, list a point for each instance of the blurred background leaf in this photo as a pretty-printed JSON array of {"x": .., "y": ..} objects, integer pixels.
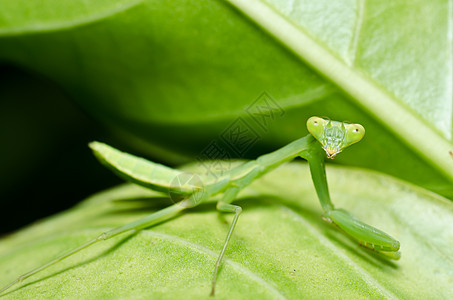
[
  {"x": 43, "y": 154},
  {"x": 168, "y": 78}
]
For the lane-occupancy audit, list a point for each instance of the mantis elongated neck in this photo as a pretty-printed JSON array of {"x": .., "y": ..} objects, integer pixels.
[
  {"x": 286, "y": 153},
  {"x": 264, "y": 164},
  {"x": 308, "y": 148}
]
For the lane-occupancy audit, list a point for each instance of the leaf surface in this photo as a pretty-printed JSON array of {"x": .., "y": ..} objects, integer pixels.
[{"x": 281, "y": 249}]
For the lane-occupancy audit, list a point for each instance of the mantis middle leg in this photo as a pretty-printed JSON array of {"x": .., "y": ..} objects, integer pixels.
[{"x": 224, "y": 205}]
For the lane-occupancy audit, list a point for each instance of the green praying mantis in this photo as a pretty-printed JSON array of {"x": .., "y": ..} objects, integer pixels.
[{"x": 326, "y": 137}]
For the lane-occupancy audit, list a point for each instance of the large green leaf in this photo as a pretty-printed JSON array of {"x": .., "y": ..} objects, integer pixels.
[
  {"x": 176, "y": 74},
  {"x": 280, "y": 249}
]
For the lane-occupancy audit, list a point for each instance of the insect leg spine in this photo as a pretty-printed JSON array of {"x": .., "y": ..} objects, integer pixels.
[
  {"x": 102, "y": 237},
  {"x": 370, "y": 245}
]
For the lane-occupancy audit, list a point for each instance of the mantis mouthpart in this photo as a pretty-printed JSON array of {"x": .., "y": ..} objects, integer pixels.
[{"x": 326, "y": 138}]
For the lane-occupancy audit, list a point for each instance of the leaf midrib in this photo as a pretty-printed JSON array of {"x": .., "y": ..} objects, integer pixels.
[
  {"x": 358, "y": 27},
  {"x": 425, "y": 140}
]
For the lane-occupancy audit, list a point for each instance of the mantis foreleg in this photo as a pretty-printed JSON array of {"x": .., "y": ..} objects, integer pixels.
[
  {"x": 315, "y": 158},
  {"x": 367, "y": 236}
]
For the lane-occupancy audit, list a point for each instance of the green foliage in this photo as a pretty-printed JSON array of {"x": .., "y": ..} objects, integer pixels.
[
  {"x": 281, "y": 247},
  {"x": 170, "y": 76},
  {"x": 175, "y": 74}
]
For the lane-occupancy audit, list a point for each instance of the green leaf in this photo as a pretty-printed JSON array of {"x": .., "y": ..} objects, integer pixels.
[
  {"x": 280, "y": 249},
  {"x": 175, "y": 75}
]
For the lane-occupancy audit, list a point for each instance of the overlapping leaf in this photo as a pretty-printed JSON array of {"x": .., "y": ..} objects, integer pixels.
[{"x": 176, "y": 75}]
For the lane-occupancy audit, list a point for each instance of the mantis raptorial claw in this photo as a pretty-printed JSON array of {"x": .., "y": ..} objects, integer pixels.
[{"x": 366, "y": 235}]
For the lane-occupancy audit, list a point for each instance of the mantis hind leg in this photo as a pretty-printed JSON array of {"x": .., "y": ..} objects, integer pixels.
[{"x": 152, "y": 219}]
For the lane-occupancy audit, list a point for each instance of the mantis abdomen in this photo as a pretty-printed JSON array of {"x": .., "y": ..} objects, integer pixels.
[{"x": 141, "y": 171}]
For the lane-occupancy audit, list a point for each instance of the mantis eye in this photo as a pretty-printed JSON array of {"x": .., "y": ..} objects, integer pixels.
[
  {"x": 354, "y": 133},
  {"x": 315, "y": 126}
]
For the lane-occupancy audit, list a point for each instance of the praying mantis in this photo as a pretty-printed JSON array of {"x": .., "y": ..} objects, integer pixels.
[{"x": 326, "y": 137}]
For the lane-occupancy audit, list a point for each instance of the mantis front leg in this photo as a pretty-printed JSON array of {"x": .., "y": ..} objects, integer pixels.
[{"x": 366, "y": 235}]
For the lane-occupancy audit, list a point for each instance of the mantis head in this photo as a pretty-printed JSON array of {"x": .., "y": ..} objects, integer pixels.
[{"x": 334, "y": 136}]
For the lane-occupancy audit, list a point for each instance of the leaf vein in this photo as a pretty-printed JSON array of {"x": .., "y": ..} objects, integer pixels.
[
  {"x": 207, "y": 251},
  {"x": 62, "y": 25},
  {"x": 356, "y": 36}
]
